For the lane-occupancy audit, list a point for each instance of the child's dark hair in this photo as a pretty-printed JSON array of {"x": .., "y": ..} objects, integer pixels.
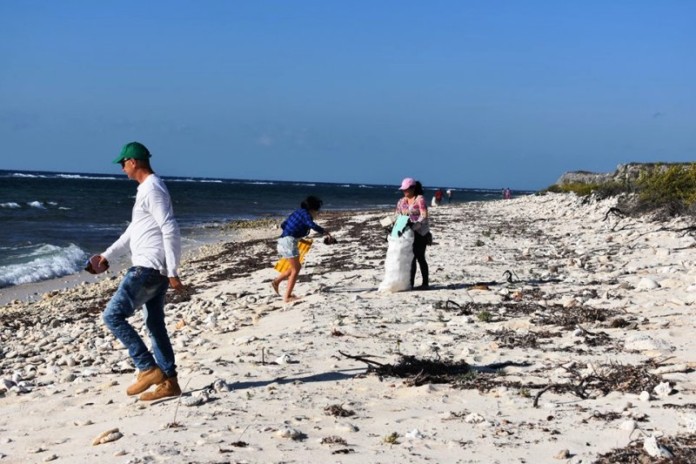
[
  {"x": 418, "y": 188},
  {"x": 311, "y": 203}
]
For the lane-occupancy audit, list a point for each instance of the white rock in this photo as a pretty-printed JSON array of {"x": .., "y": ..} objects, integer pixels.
[
  {"x": 644, "y": 396},
  {"x": 629, "y": 425},
  {"x": 474, "y": 418},
  {"x": 221, "y": 386},
  {"x": 647, "y": 283},
  {"x": 663, "y": 389},
  {"x": 346, "y": 427},
  {"x": 654, "y": 449},
  {"x": 644, "y": 342},
  {"x": 289, "y": 432},
  {"x": 690, "y": 422},
  {"x": 415, "y": 433}
]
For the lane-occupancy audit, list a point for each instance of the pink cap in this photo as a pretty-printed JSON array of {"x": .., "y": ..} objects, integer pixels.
[{"x": 407, "y": 183}]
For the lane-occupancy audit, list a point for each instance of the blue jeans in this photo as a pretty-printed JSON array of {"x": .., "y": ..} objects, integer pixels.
[{"x": 142, "y": 286}]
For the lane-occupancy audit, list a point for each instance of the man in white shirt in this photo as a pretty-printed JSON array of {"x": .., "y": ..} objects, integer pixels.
[{"x": 155, "y": 246}]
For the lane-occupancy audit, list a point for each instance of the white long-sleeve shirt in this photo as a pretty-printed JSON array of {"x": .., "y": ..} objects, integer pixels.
[{"x": 153, "y": 234}]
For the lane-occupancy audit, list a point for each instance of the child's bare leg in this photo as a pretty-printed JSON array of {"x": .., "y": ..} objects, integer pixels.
[
  {"x": 292, "y": 278},
  {"x": 276, "y": 282}
]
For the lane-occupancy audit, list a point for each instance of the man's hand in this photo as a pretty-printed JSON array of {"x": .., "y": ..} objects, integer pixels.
[{"x": 176, "y": 284}]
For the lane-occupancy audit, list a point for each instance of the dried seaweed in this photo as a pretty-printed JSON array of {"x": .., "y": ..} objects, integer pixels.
[
  {"x": 417, "y": 372},
  {"x": 569, "y": 318},
  {"x": 338, "y": 411},
  {"x": 608, "y": 378},
  {"x": 507, "y": 338},
  {"x": 683, "y": 447}
]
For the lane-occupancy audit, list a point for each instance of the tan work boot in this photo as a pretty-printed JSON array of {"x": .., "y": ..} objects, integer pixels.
[
  {"x": 146, "y": 379},
  {"x": 170, "y": 387}
]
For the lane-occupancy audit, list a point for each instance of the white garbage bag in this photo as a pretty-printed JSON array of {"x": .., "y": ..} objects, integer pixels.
[{"x": 397, "y": 265}]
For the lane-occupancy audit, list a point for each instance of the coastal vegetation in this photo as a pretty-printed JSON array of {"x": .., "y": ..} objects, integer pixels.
[{"x": 668, "y": 188}]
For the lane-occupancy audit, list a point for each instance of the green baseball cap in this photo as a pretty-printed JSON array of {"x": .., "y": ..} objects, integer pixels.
[{"x": 133, "y": 150}]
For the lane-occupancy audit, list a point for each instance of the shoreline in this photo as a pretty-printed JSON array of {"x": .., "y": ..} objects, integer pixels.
[
  {"x": 195, "y": 240},
  {"x": 558, "y": 335}
]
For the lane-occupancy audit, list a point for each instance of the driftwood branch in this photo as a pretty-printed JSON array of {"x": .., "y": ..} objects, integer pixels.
[
  {"x": 616, "y": 212},
  {"x": 364, "y": 359}
]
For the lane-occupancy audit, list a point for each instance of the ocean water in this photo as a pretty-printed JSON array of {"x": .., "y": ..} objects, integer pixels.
[{"x": 51, "y": 222}]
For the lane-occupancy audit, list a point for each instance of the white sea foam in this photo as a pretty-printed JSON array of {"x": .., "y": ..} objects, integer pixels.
[
  {"x": 10, "y": 204},
  {"x": 44, "y": 262},
  {"x": 36, "y": 204},
  {"x": 82, "y": 176},
  {"x": 21, "y": 174}
]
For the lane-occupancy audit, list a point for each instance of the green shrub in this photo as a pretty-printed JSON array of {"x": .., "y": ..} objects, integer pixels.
[
  {"x": 581, "y": 189},
  {"x": 670, "y": 186}
]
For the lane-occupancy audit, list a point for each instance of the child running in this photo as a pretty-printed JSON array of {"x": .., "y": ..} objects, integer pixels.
[{"x": 296, "y": 226}]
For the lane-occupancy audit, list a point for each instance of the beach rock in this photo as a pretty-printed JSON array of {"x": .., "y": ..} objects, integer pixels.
[
  {"x": 654, "y": 449},
  {"x": 106, "y": 437},
  {"x": 474, "y": 418},
  {"x": 629, "y": 425},
  {"x": 663, "y": 389},
  {"x": 196, "y": 399},
  {"x": 414, "y": 434},
  {"x": 644, "y": 396},
  {"x": 645, "y": 342},
  {"x": 647, "y": 284},
  {"x": 289, "y": 432}
]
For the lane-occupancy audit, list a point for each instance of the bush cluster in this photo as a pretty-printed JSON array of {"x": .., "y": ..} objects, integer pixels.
[{"x": 666, "y": 188}]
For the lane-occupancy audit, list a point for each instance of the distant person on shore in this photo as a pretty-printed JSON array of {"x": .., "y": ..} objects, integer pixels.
[
  {"x": 414, "y": 206},
  {"x": 507, "y": 193},
  {"x": 449, "y": 196},
  {"x": 155, "y": 247},
  {"x": 438, "y": 197},
  {"x": 295, "y": 227}
]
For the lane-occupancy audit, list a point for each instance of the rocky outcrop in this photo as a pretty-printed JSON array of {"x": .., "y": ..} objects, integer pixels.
[{"x": 624, "y": 174}]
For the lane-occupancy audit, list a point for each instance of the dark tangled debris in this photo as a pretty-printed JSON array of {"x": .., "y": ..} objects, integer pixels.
[
  {"x": 338, "y": 411},
  {"x": 507, "y": 338},
  {"x": 612, "y": 377},
  {"x": 417, "y": 372},
  {"x": 240, "y": 259},
  {"x": 683, "y": 447}
]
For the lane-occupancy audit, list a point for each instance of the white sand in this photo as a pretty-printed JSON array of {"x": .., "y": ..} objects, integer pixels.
[{"x": 284, "y": 368}]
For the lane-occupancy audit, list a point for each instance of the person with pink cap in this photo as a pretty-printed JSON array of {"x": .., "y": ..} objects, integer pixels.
[{"x": 414, "y": 206}]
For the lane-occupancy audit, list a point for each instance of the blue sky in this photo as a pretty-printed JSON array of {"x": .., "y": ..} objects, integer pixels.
[{"x": 454, "y": 93}]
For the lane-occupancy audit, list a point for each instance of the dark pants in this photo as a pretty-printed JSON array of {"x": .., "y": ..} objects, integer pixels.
[{"x": 420, "y": 242}]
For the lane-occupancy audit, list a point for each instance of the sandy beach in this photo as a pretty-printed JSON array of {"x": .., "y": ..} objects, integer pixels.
[{"x": 552, "y": 332}]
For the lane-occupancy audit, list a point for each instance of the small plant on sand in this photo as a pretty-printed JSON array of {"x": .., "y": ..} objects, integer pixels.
[
  {"x": 524, "y": 392},
  {"x": 486, "y": 233},
  {"x": 485, "y": 316},
  {"x": 391, "y": 439},
  {"x": 479, "y": 243}
]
